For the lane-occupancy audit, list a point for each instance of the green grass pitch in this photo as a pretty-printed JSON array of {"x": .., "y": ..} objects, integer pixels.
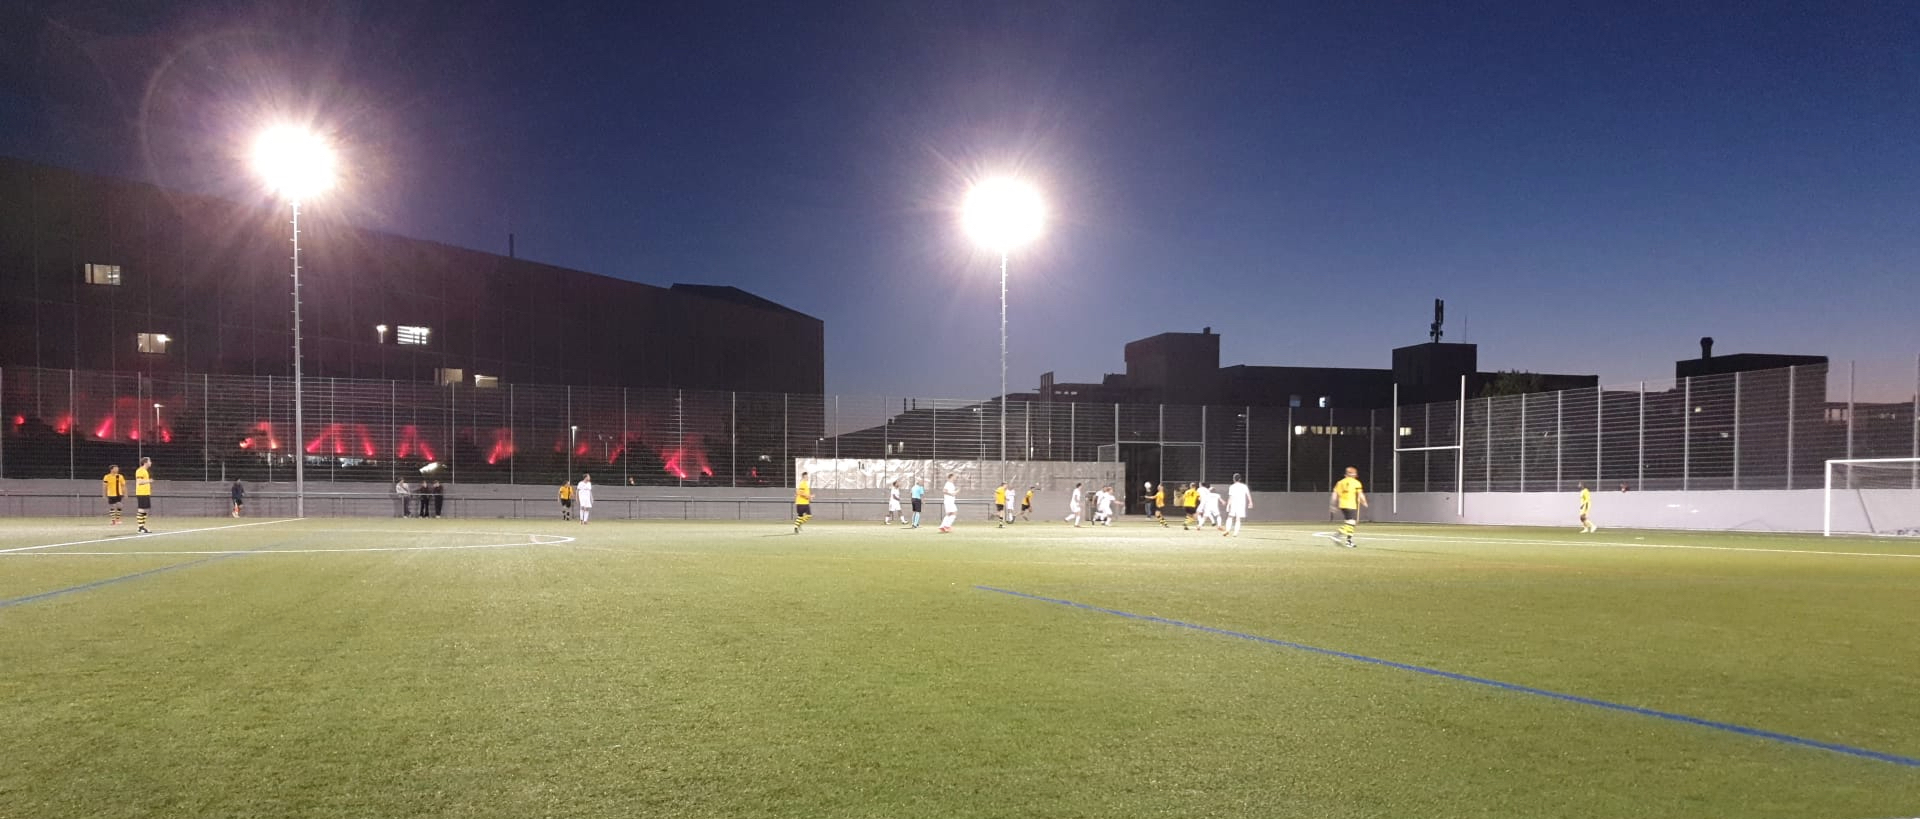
[{"x": 400, "y": 668}]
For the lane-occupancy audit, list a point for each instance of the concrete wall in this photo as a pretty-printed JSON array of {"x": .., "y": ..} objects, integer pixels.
[
  {"x": 1797, "y": 510},
  {"x": 57, "y": 498}
]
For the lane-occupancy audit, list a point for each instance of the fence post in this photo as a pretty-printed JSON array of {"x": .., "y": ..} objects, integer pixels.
[
  {"x": 510, "y": 436},
  {"x": 1289, "y": 444},
  {"x": 680, "y": 427},
  {"x": 1640, "y": 446},
  {"x": 886, "y": 427},
  {"x": 1850, "y": 413},
  {"x": 1736, "y": 430},
  {"x": 626, "y": 479},
  {"x": 1073, "y": 412},
  {"x": 1599, "y": 435},
  {"x": 936, "y": 431},
  {"x": 1162, "y": 434},
  {"x": 1686, "y": 434},
  {"x": 733, "y": 434},
  {"x": 1793, "y": 383},
  {"x": 836, "y": 434},
  {"x": 1489, "y": 464},
  {"x": 1916, "y": 421},
  {"x": 1246, "y": 447},
  {"x": 3, "y": 412},
  {"x": 73, "y": 425},
  {"x": 785, "y": 431},
  {"x": 206, "y": 431},
  {"x": 1523, "y": 441},
  {"x": 1559, "y": 438}
]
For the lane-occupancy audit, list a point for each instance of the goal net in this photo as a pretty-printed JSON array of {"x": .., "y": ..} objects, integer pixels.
[{"x": 1873, "y": 496}]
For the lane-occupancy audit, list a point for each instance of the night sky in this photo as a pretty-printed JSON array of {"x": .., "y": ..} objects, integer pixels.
[{"x": 1590, "y": 186}]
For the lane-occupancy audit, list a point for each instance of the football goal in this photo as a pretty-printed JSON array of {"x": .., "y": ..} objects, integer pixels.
[{"x": 1872, "y": 496}]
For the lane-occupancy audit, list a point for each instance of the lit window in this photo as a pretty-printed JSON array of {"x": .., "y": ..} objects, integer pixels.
[
  {"x": 1323, "y": 402},
  {"x": 409, "y": 334},
  {"x": 448, "y": 376},
  {"x": 155, "y": 343},
  {"x": 1300, "y": 430},
  {"x": 107, "y": 274},
  {"x": 485, "y": 382}
]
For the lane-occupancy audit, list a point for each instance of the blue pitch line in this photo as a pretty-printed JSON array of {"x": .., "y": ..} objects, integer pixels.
[
  {"x": 34, "y": 598},
  {"x": 1729, "y": 727}
]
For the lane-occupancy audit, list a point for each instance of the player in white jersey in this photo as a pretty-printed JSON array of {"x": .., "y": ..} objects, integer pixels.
[
  {"x": 893, "y": 504},
  {"x": 1209, "y": 506},
  {"x": 1103, "y": 506},
  {"x": 1239, "y": 502},
  {"x": 949, "y": 504},
  {"x": 1073, "y": 507}
]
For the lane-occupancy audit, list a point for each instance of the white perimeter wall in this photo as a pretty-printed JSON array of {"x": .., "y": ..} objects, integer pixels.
[{"x": 1795, "y": 510}]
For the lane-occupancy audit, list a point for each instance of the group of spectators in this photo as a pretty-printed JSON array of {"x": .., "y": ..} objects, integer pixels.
[{"x": 427, "y": 500}]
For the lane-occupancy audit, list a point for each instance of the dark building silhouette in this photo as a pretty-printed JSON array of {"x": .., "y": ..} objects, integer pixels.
[
  {"x": 1184, "y": 368},
  {"x": 109, "y": 275}
]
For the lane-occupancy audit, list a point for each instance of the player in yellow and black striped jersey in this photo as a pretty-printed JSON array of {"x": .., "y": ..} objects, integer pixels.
[
  {"x": 1349, "y": 497},
  {"x": 114, "y": 486},
  {"x": 143, "y": 494},
  {"x": 802, "y": 502},
  {"x": 1160, "y": 504},
  {"x": 1026, "y": 503},
  {"x": 1586, "y": 510},
  {"x": 1189, "y": 501}
]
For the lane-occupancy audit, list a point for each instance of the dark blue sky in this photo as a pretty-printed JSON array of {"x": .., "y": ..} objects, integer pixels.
[{"x": 1591, "y": 186}]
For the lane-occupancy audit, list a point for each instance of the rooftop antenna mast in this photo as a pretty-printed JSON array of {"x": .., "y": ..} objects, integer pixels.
[{"x": 1439, "y": 318}]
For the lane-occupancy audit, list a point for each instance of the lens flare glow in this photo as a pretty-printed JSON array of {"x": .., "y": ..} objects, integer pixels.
[
  {"x": 1002, "y": 214},
  {"x": 294, "y": 162}
]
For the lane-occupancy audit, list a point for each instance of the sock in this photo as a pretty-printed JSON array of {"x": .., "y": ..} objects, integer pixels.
[
  {"x": 584, "y": 513},
  {"x": 140, "y": 518},
  {"x": 114, "y": 515}
]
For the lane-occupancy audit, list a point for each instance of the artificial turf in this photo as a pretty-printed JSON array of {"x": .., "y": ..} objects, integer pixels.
[{"x": 739, "y": 670}]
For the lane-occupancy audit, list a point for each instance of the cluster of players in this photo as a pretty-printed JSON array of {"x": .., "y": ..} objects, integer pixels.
[{"x": 1200, "y": 504}]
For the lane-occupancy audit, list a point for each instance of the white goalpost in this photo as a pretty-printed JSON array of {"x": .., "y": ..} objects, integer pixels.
[{"x": 1873, "y": 496}]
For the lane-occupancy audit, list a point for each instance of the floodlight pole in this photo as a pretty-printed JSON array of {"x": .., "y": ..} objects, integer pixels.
[
  {"x": 299, "y": 406},
  {"x": 1003, "y": 356}
]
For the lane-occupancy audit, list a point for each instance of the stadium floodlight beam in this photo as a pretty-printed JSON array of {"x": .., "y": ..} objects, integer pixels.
[
  {"x": 296, "y": 164},
  {"x": 1000, "y": 215}
]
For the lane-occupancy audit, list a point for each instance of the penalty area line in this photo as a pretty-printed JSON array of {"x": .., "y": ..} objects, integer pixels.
[
  {"x": 1602, "y": 544},
  {"x": 142, "y": 537}
]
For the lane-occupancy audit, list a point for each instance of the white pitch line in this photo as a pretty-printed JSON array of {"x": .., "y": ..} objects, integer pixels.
[
  {"x": 140, "y": 536},
  {"x": 1634, "y": 545},
  {"x": 563, "y": 539}
]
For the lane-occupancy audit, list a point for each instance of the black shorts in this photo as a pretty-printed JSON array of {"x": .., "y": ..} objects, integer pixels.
[
  {"x": 566, "y": 503},
  {"x": 1187, "y": 510},
  {"x": 143, "y": 501},
  {"x": 113, "y": 500},
  {"x": 1026, "y": 507},
  {"x": 999, "y": 507},
  {"x": 239, "y": 502},
  {"x": 1350, "y": 515},
  {"x": 916, "y": 505},
  {"x": 803, "y": 509}
]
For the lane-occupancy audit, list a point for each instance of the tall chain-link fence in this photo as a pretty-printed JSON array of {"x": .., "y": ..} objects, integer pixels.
[{"x": 1768, "y": 429}]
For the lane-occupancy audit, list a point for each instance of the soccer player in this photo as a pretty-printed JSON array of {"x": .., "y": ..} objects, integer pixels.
[
  {"x": 1103, "y": 506},
  {"x": 1073, "y": 507},
  {"x": 239, "y": 494},
  {"x": 1189, "y": 501},
  {"x": 919, "y": 494},
  {"x": 1000, "y": 505},
  {"x": 1026, "y": 503},
  {"x": 1239, "y": 502},
  {"x": 114, "y": 485},
  {"x": 143, "y": 494},
  {"x": 1160, "y": 505},
  {"x": 566, "y": 501},
  {"x": 802, "y": 502},
  {"x": 949, "y": 505},
  {"x": 1349, "y": 497},
  {"x": 1586, "y": 509},
  {"x": 893, "y": 504},
  {"x": 582, "y": 492},
  {"x": 1209, "y": 507}
]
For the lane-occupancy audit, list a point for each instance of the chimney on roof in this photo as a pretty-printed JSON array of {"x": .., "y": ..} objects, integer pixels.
[
  {"x": 1706, "y": 347},
  {"x": 1206, "y": 331}
]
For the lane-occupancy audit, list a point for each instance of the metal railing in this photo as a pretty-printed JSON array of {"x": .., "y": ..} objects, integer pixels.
[{"x": 1767, "y": 429}]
